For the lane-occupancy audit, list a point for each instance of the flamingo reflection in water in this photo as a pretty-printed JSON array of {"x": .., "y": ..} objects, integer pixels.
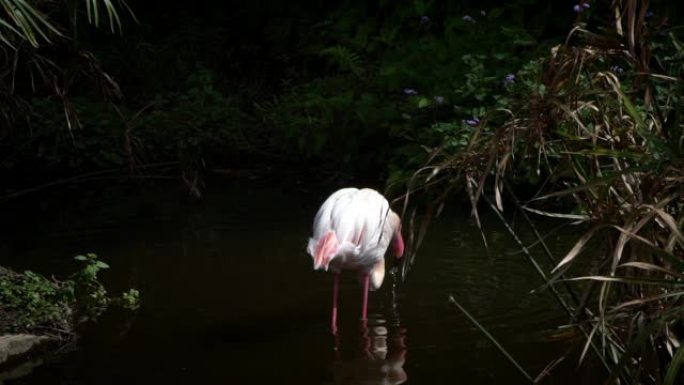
[{"x": 382, "y": 352}]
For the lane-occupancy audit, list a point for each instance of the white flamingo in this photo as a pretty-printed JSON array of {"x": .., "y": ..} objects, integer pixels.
[{"x": 352, "y": 231}]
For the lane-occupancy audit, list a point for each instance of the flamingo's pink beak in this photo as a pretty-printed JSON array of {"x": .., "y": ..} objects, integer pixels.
[
  {"x": 321, "y": 263},
  {"x": 325, "y": 250}
]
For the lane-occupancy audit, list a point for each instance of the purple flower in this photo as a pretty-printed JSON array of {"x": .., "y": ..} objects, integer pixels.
[
  {"x": 424, "y": 19},
  {"x": 439, "y": 99},
  {"x": 663, "y": 28},
  {"x": 509, "y": 79},
  {"x": 410, "y": 91},
  {"x": 617, "y": 69},
  {"x": 468, "y": 18},
  {"x": 581, "y": 7},
  {"x": 472, "y": 122}
]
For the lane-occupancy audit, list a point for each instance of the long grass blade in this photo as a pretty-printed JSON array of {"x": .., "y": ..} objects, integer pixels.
[
  {"x": 625, "y": 237},
  {"x": 671, "y": 223},
  {"x": 547, "y": 370},
  {"x": 652, "y": 267},
  {"x": 629, "y": 106},
  {"x": 577, "y": 248},
  {"x": 473, "y": 202},
  {"x": 93, "y": 12},
  {"x": 557, "y": 215},
  {"x": 130, "y": 11},
  {"x": 588, "y": 343},
  {"x": 639, "y": 281},
  {"x": 3, "y": 38},
  {"x": 25, "y": 27},
  {"x": 673, "y": 369},
  {"x": 491, "y": 338},
  {"x": 113, "y": 15},
  {"x": 602, "y": 181},
  {"x": 642, "y": 301},
  {"x": 636, "y": 236},
  {"x": 38, "y": 16},
  {"x": 34, "y": 27}
]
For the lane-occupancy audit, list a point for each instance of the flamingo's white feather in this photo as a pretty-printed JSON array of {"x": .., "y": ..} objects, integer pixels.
[{"x": 363, "y": 225}]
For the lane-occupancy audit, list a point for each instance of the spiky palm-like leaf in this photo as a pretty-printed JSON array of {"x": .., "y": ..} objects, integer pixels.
[{"x": 22, "y": 20}]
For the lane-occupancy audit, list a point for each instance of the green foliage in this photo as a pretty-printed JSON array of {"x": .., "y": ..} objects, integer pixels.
[
  {"x": 389, "y": 79},
  {"x": 355, "y": 92},
  {"x": 95, "y": 140},
  {"x": 45, "y": 66},
  {"x": 196, "y": 123},
  {"x": 91, "y": 296},
  {"x": 32, "y": 302},
  {"x": 345, "y": 59},
  {"x": 129, "y": 300}
]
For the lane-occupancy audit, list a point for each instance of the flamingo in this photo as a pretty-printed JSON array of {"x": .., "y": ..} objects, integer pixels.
[{"x": 352, "y": 231}]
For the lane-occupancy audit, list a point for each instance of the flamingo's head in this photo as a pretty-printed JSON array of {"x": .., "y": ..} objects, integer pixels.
[{"x": 323, "y": 250}]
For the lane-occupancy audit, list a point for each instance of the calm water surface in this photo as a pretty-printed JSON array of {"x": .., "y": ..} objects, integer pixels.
[{"x": 229, "y": 296}]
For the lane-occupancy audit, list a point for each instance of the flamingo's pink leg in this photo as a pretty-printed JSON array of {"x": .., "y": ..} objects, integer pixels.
[
  {"x": 364, "y": 310},
  {"x": 336, "y": 288}
]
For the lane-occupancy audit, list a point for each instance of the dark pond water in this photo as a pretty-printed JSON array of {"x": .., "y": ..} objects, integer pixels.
[{"x": 229, "y": 296}]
